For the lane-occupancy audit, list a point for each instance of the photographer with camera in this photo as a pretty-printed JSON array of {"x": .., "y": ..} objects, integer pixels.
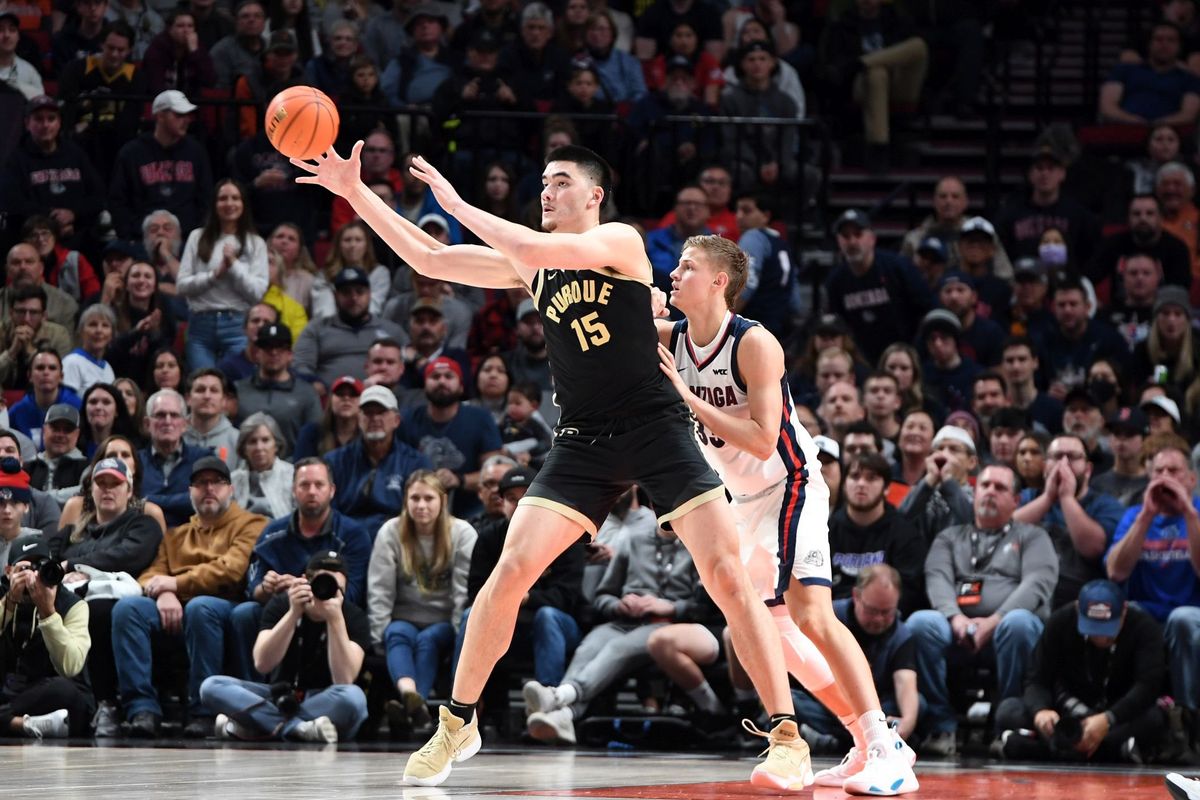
[
  {"x": 286, "y": 544},
  {"x": 44, "y": 641},
  {"x": 989, "y": 584},
  {"x": 1156, "y": 554},
  {"x": 311, "y": 643},
  {"x": 1092, "y": 686}
]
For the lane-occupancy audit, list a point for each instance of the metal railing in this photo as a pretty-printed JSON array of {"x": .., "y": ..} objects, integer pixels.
[{"x": 806, "y": 142}]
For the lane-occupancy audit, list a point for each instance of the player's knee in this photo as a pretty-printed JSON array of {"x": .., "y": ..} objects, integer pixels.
[
  {"x": 817, "y": 623},
  {"x": 512, "y": 575},
  {"x": 726, "y": 580}
]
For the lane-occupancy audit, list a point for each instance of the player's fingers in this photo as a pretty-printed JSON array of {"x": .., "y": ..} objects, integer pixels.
[
  {"x": 302, "y": 164},
  {"x": 356, "y": 150},
  {"x": 308, "y": 179}
]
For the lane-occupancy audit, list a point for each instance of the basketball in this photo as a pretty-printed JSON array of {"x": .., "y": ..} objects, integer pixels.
[{"x": 302, "y": 122}]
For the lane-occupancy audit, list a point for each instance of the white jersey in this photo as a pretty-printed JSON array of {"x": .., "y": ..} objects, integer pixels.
[{"x": 711, "y": 373}]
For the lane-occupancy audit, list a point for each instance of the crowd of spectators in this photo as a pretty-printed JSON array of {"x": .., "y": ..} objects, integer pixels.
[{"x": 300, "y": 457}]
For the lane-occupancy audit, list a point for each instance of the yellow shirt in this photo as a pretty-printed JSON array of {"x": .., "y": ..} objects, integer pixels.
[{"x": 291, "y": 313}]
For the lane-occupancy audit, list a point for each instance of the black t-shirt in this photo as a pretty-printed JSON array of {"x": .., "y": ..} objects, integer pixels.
[
  {"x": 891, "y": 540},
  {"x": 306, "y": 663}
]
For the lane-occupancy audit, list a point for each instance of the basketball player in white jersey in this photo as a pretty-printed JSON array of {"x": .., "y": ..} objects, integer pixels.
[{"x": 730, "y": 371}]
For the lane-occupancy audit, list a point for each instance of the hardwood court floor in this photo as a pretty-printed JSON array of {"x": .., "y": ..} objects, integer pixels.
[{"x": 238, "y": 772}]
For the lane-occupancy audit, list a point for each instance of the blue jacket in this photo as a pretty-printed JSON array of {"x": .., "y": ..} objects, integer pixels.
[
  {"x": 373, "y": 495},
  {"x": 283, "y": 549},
  {"x": 621, "y": 77},
  {"x": 27, "y": 418},
  {"x": 171, "y": 494}
]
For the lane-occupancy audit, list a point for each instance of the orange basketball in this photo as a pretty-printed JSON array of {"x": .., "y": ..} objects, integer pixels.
[{"x": 302, "y": 122}]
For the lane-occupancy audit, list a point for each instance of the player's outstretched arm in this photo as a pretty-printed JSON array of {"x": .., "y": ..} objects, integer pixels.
[
  {"x": 466, "y": 264},
  {"x": 613, "y": 244},
  {"x": 760, "y": 363}
]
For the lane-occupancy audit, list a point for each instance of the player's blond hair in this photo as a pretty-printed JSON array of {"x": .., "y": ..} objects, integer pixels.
[{"x": 727, "y": 257}]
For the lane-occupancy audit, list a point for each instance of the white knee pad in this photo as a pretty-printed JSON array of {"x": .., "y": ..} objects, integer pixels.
[{"x": 804, "y": 661}]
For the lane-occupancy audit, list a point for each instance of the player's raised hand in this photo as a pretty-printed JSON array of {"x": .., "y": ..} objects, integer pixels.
[
  {"x": 338, "y": 175},
  {"x": 446, "y": 195}
]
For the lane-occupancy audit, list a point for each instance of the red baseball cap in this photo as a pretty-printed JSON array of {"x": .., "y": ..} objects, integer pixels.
[
  {"x": 443, "y": 361},
  {"x": 347, "y": 380}
]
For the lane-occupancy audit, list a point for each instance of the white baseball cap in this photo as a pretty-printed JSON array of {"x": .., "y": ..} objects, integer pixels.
[
  {"x": 955, "y": 434},
  {"x": 172, "y": 100},
  {"x": 381, "y": 395}
]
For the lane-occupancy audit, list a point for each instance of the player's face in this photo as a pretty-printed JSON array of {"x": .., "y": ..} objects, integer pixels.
[
  {"x": 691, "y": 279},
  {"x": 567, "y": 195}
]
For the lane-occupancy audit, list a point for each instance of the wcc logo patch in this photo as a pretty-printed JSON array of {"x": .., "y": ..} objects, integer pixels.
[{"x": 815, "y": 558}]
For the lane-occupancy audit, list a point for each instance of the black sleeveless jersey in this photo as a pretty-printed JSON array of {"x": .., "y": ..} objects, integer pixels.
[{"x": 603, "y": 345}]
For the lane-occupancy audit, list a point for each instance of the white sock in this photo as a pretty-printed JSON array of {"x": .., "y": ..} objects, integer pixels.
[
  {"x": 744, "y": 695},
  {"x": 851, "y": 724},
  {"x": 705, "y": 698},
  {"x": 565, "y": 695},
  {"x": 874, "y": 726}
]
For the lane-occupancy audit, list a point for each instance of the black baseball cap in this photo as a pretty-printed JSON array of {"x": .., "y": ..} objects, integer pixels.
[
  {"x": 351, "y": 276},
  {"x": 485, "y": 41},
  {"x": 517, "y": 478},
  {"x": 31, "y": 547},
  {"x": 328, "y": 560},
  {"x": 852, "y": 216},
  {"x": 1083, "y": 393},
  {"x": 210, "y": 464},
  {"x": 1128, "y": 419},
  {"x": 274, "y": 335}
]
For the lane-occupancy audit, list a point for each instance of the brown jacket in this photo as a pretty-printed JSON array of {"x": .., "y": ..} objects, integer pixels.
[{"x": 209, "y": 560}]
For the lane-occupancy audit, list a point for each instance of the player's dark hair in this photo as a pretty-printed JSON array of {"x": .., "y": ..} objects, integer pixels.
[{"x": 595, "y": 167}]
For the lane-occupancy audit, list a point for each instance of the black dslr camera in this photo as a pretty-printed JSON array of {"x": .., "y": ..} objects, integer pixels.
[
  {"x": 49, "y": 572},
  {"x": 324, "y": 586}
]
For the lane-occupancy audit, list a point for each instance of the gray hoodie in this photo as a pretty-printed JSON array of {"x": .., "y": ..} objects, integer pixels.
[
  {"x": 222, "y": 439},
  {"x": 1016, "y": 564},
  {"x": 648, "y": 564}
]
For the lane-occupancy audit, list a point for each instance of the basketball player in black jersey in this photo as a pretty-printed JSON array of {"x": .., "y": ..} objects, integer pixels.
[{"x": 621, "y": 423}]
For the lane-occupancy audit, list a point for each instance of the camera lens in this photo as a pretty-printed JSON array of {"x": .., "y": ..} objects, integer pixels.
[
  {"x": 50, "y": 573},
  {"x": 324, "y": 586}
]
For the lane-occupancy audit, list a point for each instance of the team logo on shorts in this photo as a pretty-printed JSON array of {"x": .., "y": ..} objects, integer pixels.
[{"x": 815, "y": 558}]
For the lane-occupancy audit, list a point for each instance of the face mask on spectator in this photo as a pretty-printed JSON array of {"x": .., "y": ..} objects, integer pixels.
[{"x": 1053, "y": 254}]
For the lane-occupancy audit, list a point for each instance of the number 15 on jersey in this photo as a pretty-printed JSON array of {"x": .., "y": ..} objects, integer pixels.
[{"x": 590, "y": 331}]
